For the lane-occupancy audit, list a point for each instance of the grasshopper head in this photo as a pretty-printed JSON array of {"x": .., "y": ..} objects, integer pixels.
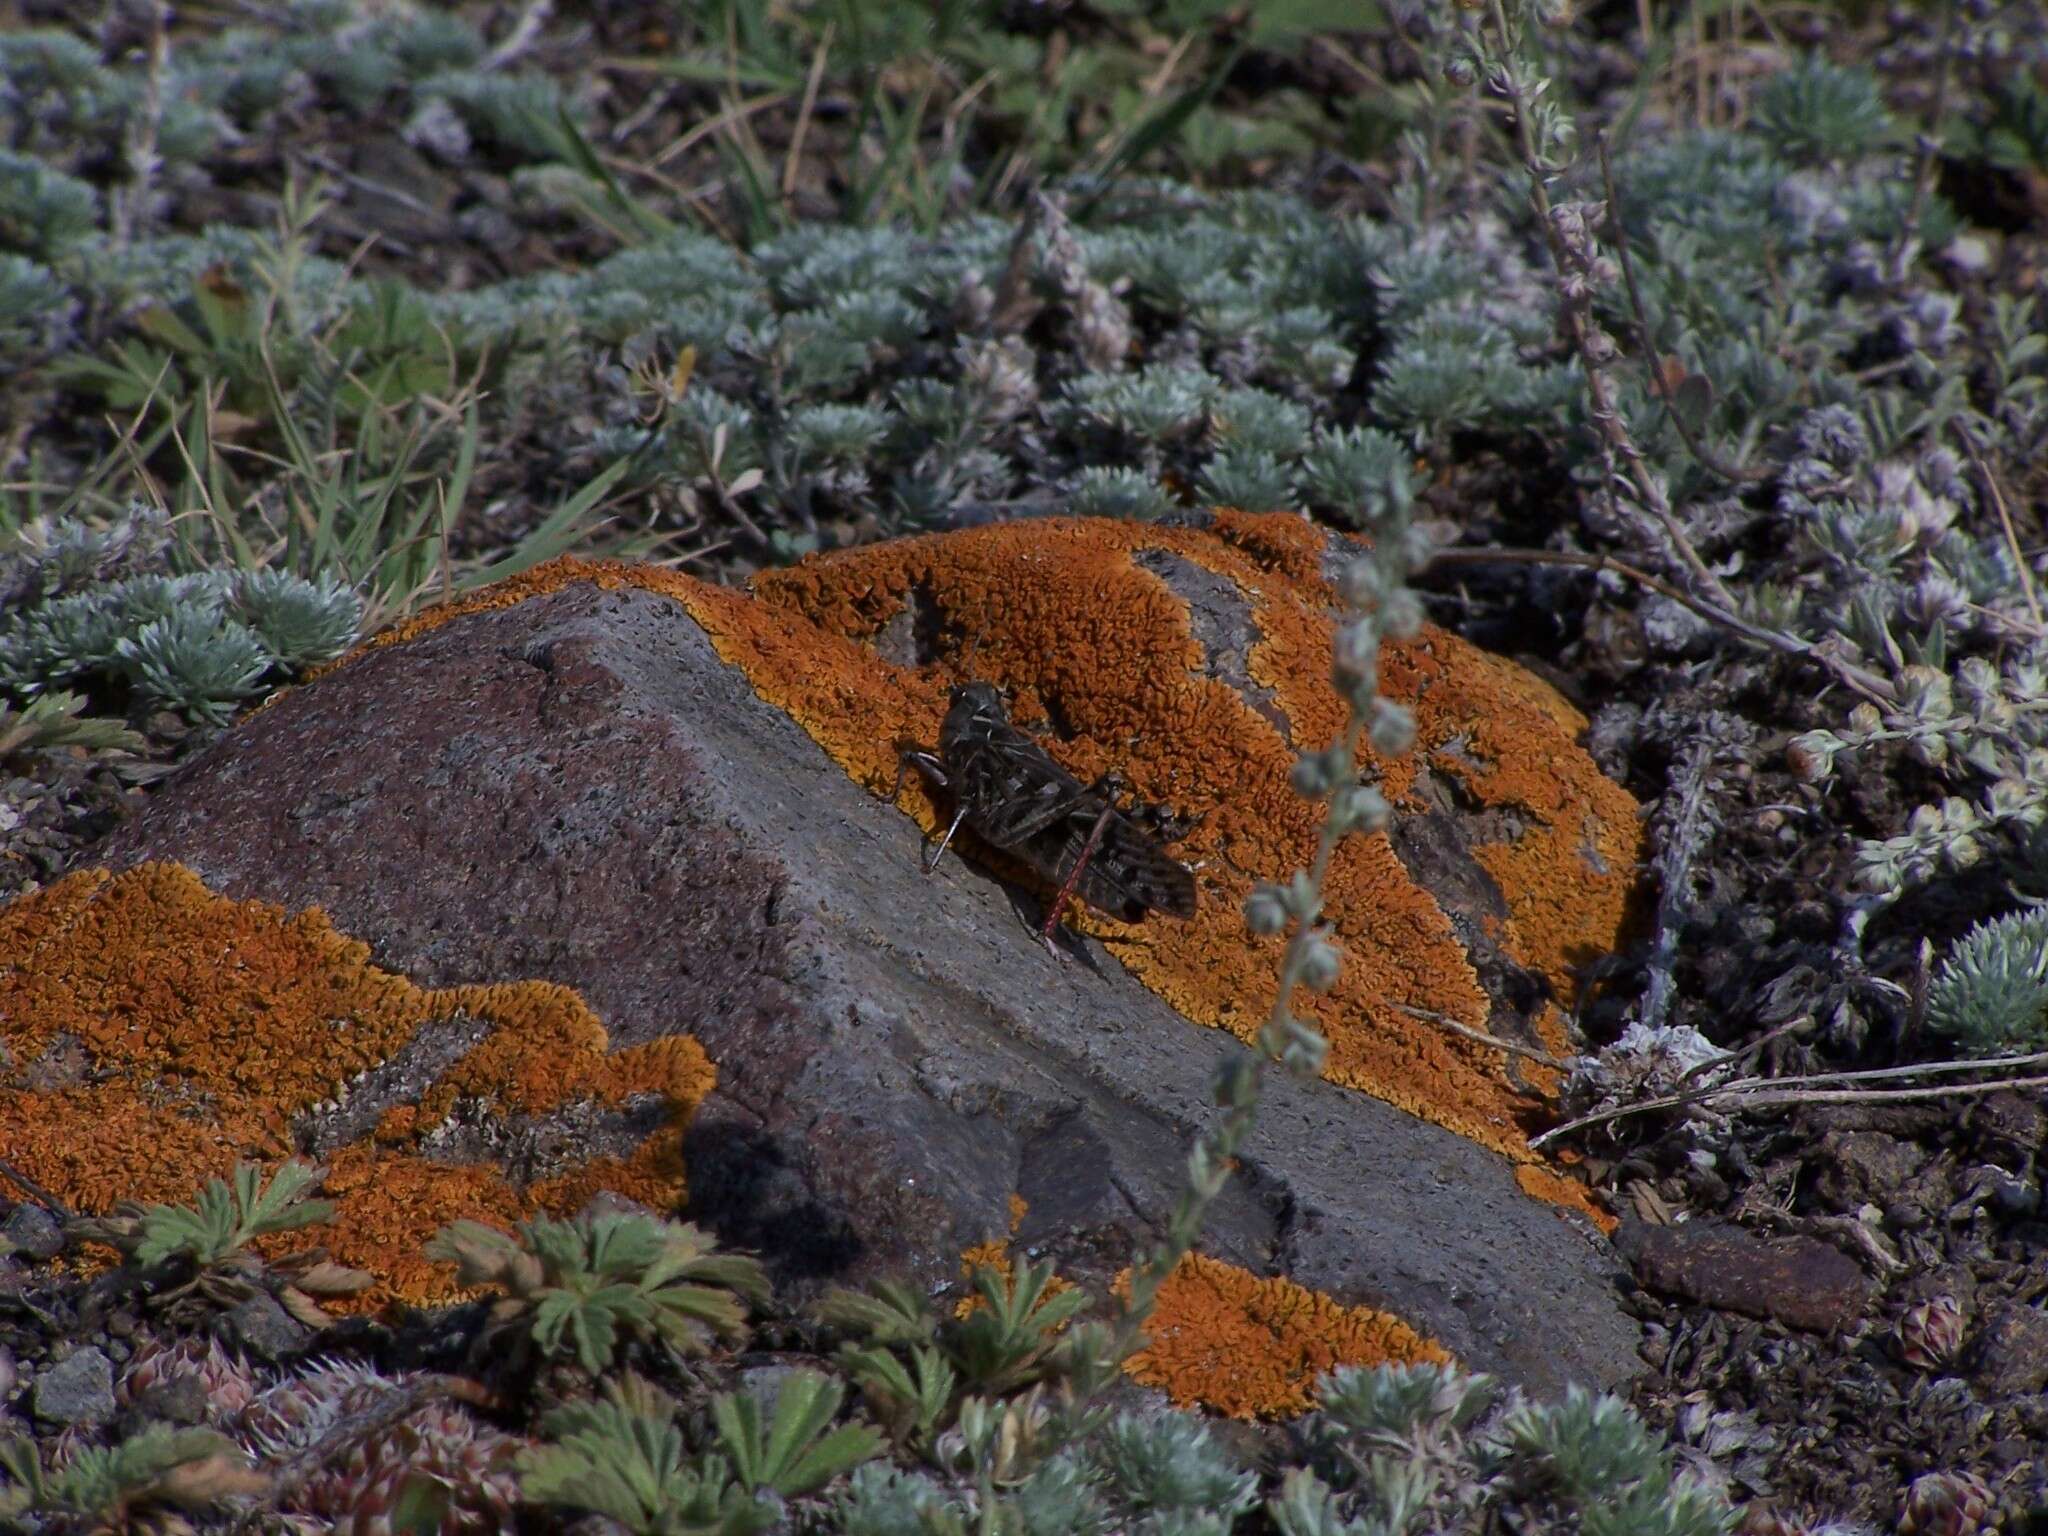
[
  {"x": 975, "y": 709},
  {"x": 981, "y": 698}
]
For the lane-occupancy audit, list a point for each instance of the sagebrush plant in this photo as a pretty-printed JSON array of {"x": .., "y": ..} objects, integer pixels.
[
  {"x": 97, "y": 607},
  {"x": 624, "y": 1457},
  {"x": 1429, "y": 1448},
  {"x": 1990, "y": 992},
  {"x": 580, "y": 1288}
]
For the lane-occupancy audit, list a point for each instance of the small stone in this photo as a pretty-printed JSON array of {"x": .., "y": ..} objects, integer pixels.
[
  {"x": 2012, "y": 1352},
  {"x": 79, "y": 1389},
  {"x": 263, "y": 1327},
  {"x": 178, "y": 1401},
  {"x": 2008, "y": 1123},
  {"x": 1799, "y": 1281},
  {"x": 31, "y": 1230},
  {"x": 1859, "y": 1166}
]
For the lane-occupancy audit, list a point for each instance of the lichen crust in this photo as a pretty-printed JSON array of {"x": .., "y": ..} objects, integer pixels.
[
  {"x": 1244, "y": 1345},
  {"x": 1253, "y": 1346},
  {"x": 157, "y": 1033}
]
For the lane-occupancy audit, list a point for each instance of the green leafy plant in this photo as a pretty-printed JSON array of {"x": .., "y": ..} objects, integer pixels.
[
  {"x": 1428, "y": 1447},
  {"x": 227, "y": 1217},
  {"x": 914, "y": 1367},
  {"x": 1990, "y": 991},
  {"x": 205, "y": 1247},
  {"x": 149, "y": 1475},
  {"x": 1007, "y": 1340},
  {"x": 573, "y": 1288},
  {"x": 794, "y": 1453},
  {"x": 95, "y": 607},
  {"x": 624, "y": 1458},
  {"x": 59, "y": 720}
]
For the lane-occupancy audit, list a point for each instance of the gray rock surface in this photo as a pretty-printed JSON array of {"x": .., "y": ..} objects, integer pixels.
[
  {"x": 577, "y": 789},
  {"x": 79, "y": 1389}
]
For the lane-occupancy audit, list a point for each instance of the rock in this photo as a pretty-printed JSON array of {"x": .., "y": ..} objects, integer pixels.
[
  {"x": 31, "y": 1230},
  {"x": 263, "y": 1327},
  {"x": 79, "y": 1389},
  {"x": 620, "y": 789},
  {"x": 2011, "y": 1358},
  {"x": 2008, "y": 1126},
  {"x": 1796, "y": 1280},
  {"x": 1865, "y": 1167}
]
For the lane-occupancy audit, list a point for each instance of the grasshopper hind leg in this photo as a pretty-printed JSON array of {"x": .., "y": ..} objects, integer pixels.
[{"x": 932, "y": 862}]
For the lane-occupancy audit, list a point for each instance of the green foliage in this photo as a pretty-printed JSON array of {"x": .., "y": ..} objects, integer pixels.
[
  {"x": 914, "y": 1366},
  {"x": 913, "y": 1400},
  {"x": 92, "y": 608},
  {"x": 1258, "y": 421},
  {"x": 2013, "y": 134},
  {"x": 1403, "y": 1404},
  {"x": 1821, "y": 111},
  {"x": 1151, "y": 407},
  {"x": 1004, "y": 1342},
  {"x": 44, "y": 213},
  {"x": 59, "y": 720},
  {"x": 1353, "y": 474},
  {"x": 575, "y": 1287},
  {"x": 36, "y": 309},
  {"x": 299, "y": 622},
  {"x": 624, "y": 1458},
  {"x": 1119, "y": 492},
  {"x": 228, "y": 1217},
  {"x": 1991, "y": 989},
  {"x": 1393, "y": 1448},
  {"x": 159, "y": 1469},
  {"x": 885, "y": 1500},
  {"x": 795, "y": 1453},
  {"x": 520, "y": 113},
  {"x": 1170, "y": 1464},
  {"x": 196, "y": 659}
]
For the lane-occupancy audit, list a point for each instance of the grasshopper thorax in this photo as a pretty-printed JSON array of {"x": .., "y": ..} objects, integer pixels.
[{"x": 973, "y": 710}]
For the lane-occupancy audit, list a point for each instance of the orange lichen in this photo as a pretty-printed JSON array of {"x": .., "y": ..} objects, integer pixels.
[
  {"x": 1066, "y": 613},
  {"x": 993, "y": 1254},
  {"x": 1252, "y": 1347},
  {"x": 1244, "y": 1346},
  {"x": 157, "y": 1033}
]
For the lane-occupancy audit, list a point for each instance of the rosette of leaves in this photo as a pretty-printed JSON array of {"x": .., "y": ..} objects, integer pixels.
[
  {"x": 195, "y": 1258},
  {"x": 625, "y": 1458},
  {"x": 574, "y": 1288},
  {"x": 914, "y": 1368},
  {"x": 43, "y": 212},
  {"x": 37, "y": 312},
  {"x": 1990, "y": 992},
  {"x": 1162, "y": 1474},
  {"x": 86, "y": 605},
  {"x": 1118, "y": 491}
]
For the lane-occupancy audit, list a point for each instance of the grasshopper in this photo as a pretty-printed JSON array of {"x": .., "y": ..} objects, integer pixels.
[{"x": 1010, "y": 793}]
